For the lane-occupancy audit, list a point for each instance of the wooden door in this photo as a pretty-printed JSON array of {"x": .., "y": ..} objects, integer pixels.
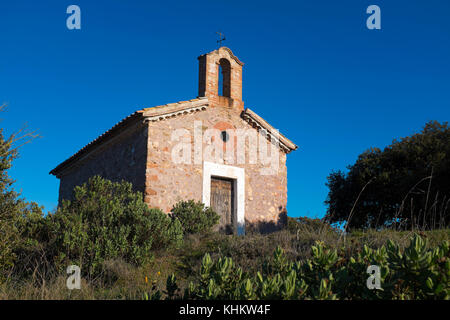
[{"x": 222, "y": 201}]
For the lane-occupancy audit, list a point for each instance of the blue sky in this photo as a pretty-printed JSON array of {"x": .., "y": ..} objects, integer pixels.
[{"x": 312, "y": 69}]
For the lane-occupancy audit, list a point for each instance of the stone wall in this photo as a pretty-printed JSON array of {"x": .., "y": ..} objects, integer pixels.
[
  {"x": 121, "y": 158},
  {"x": 168, "y": 182}
]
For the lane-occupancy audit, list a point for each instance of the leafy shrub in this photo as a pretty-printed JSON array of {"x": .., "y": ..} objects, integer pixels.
[
  {"x": 392, "y": 186},
  {"x": 12, "y": 207},
  {"x": 9, "y": 239},
  {"x": 417, "y": 272},
  {"x": 32, "y": 254},
  {"x": 107, "y": 220},
  {"x": 194, "y": 217}
]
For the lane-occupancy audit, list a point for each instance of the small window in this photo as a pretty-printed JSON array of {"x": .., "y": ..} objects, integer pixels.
[{"x": 224, "y": 135}]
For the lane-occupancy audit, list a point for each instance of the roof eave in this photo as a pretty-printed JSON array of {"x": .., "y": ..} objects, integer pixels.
[
  {"x": 286, "y": 144},
  {"x": 147, "y": 114},
  {"x": 107, "y": 135}
]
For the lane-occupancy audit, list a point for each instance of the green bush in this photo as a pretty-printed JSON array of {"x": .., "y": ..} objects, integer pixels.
[
  {"x": 417, "y": 272},
  {"x": 107, "y": 220},
  {"x": 31, "y": 254},
  {"x": 194, "y": 217},
  {"x": 391, "y": 187},
  {"x": 12, "y": 207}
]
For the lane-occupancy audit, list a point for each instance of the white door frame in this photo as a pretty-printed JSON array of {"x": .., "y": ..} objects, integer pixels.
[{"x": 238, "y": 176}]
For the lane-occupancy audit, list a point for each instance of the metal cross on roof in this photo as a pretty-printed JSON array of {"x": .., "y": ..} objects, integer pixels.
[{"x": 221, "y": 38}]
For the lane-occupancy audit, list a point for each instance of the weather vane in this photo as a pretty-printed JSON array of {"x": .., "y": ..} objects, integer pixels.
[{"x": 221, "y": 38}]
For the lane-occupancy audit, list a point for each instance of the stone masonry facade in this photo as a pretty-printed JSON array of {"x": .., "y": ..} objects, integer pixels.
[{"x": 123, "y": 158}]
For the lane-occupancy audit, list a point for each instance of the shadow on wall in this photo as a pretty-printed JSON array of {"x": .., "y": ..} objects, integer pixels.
[{"x": 268, "y": 226}]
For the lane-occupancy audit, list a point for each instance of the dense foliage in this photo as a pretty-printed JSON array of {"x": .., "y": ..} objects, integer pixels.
[
  {"x": 107, "y": 220},
  {"x": 406, "y": 184},
  {"x": 194, "y": 217},
  {"x": 104, "y": 221},
  {"x": 418, "y": 272},
  {"x": 13, "y": 209}
]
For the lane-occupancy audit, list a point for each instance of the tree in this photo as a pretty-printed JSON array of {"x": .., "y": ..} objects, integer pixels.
[
  {"x": 407, "y": 184},
  {"x": 12, "y": 208},
  {"x": 107, "y": 220}
]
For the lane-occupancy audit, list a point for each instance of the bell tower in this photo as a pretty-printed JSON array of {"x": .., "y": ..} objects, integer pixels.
[{"x": 220, "y": 78}]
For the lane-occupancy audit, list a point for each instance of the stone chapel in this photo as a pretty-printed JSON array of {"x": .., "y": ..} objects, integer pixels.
[{"x": 210, "y": 149}]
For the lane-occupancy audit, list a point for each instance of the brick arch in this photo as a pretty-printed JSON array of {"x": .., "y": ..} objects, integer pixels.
[
  {"x": 224, "y": 66},
  {"x": 225, "y": 126},
  {"x": 209, "y": 65}
]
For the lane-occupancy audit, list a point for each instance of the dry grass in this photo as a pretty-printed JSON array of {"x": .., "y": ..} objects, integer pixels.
[{"x": 123, "y": 281}]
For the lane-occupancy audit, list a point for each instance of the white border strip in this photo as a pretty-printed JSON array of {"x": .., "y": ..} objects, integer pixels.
[{"x": 230, "y": 172}]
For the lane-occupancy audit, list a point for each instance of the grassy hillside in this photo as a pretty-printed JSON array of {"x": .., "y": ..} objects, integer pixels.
[
  {"x": 126, "y": 250},
  {"x": 120, "y": 280}
]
